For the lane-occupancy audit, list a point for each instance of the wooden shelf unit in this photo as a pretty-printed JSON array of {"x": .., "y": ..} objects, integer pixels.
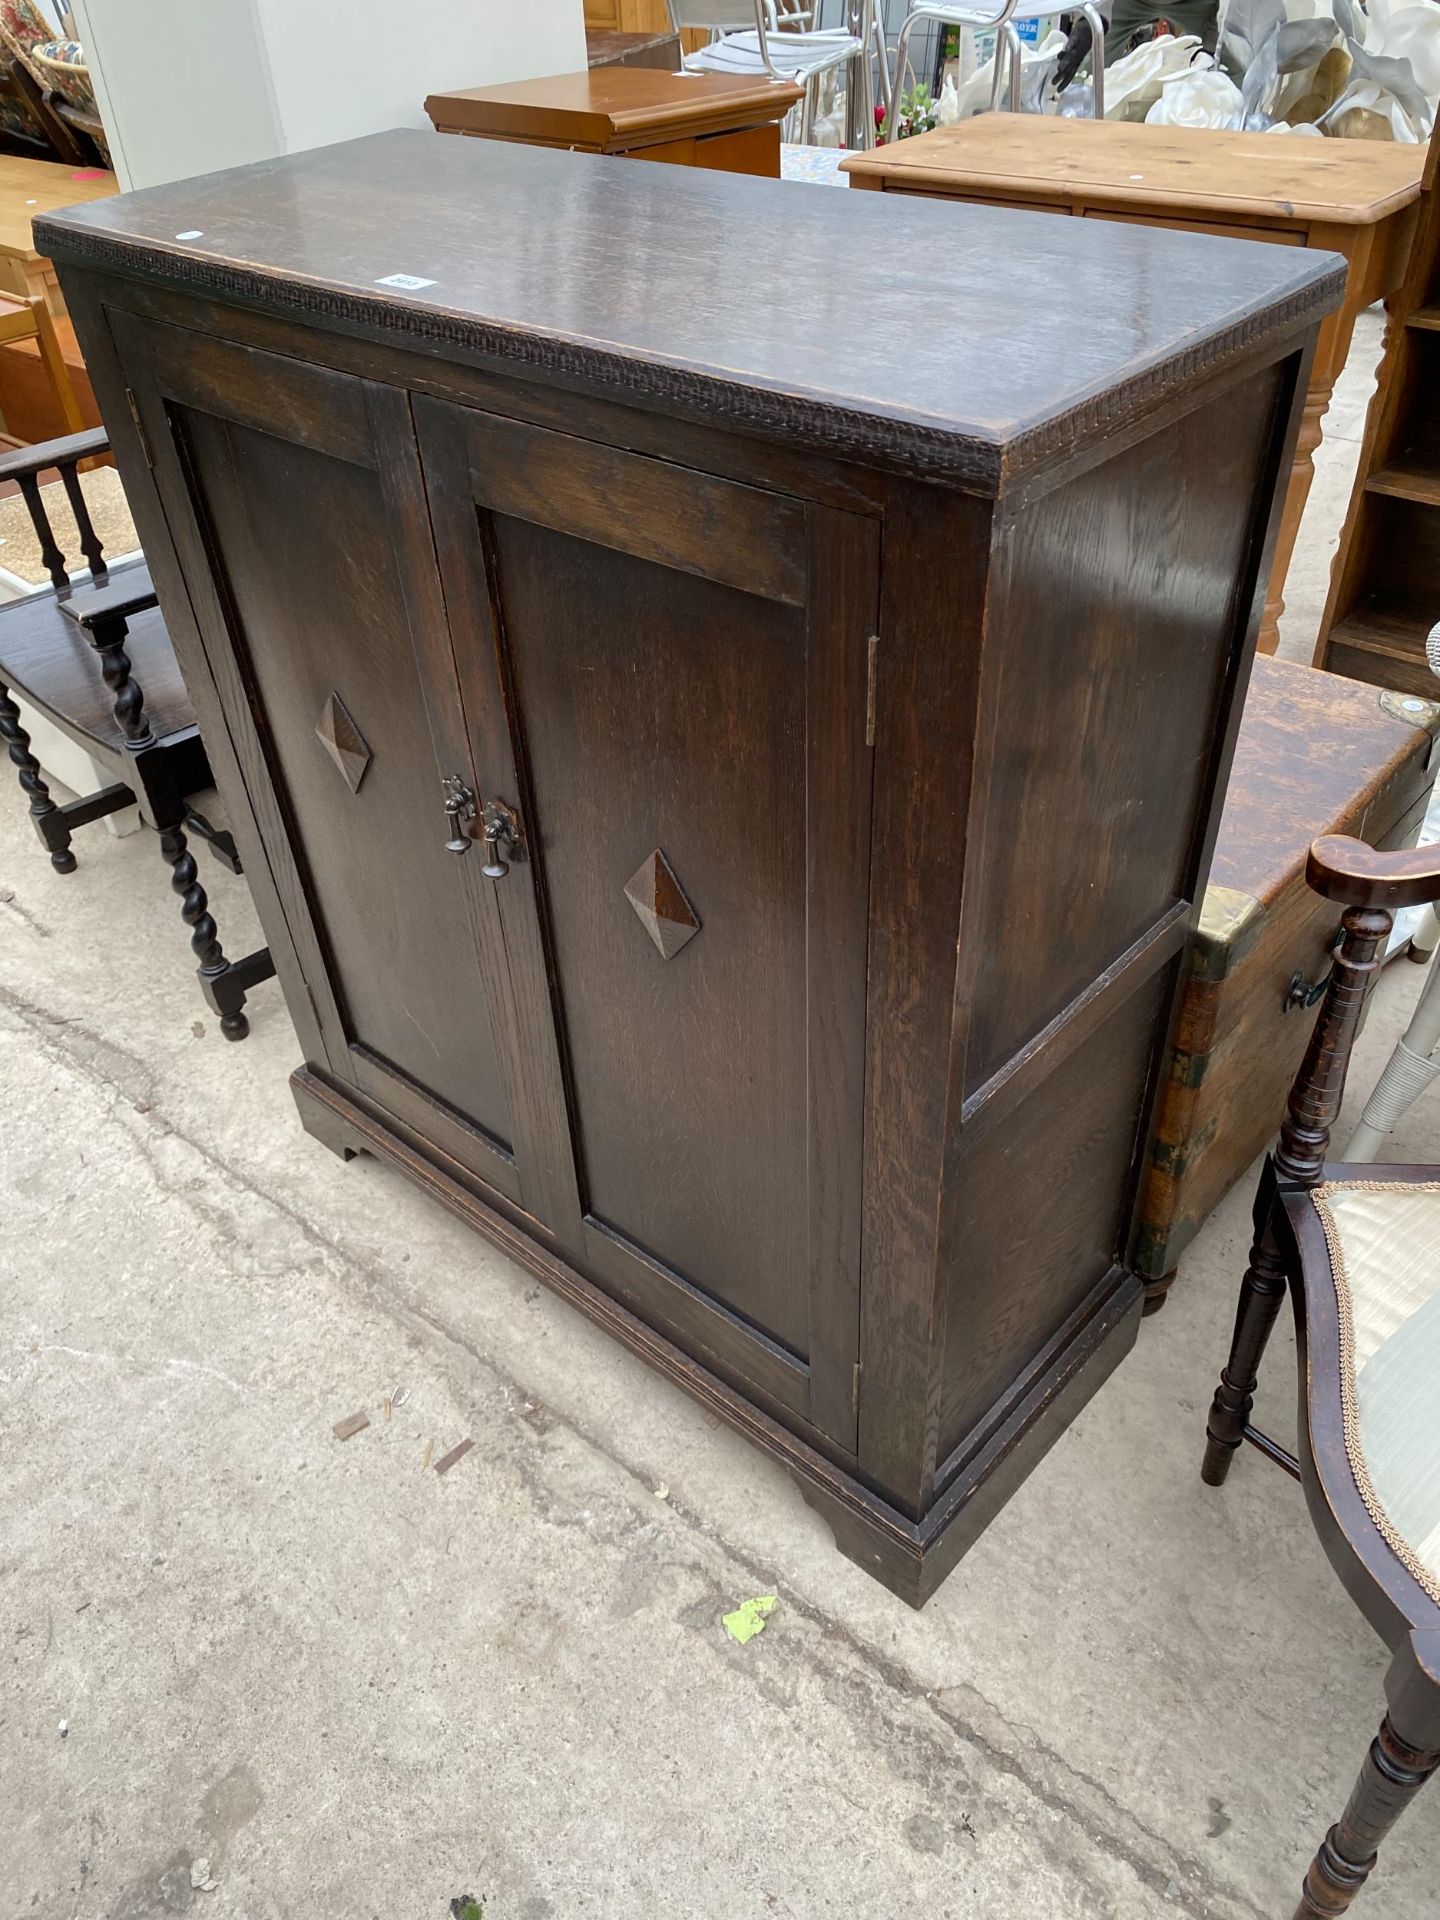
[{"x": 1385, "y": 583}]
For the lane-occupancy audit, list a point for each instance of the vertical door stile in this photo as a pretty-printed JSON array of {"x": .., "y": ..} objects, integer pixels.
[
  {"x": 841, "y": 693},
  {"x": 438, "y": 659},
  {"x": 476, "y": 632}
]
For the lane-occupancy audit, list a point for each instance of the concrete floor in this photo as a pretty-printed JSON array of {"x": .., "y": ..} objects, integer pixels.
[{"x": 357, "y": 1689}]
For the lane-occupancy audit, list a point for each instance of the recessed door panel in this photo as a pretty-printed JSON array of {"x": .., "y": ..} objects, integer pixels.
[
  {"x": 349, "y": 734},
  {"x": 665, "y": 738}
]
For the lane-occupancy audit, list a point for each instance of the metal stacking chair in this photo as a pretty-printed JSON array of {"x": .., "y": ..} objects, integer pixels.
[
  {"x": 976, "y": 16},
  {"x": 751, "y": 39}
]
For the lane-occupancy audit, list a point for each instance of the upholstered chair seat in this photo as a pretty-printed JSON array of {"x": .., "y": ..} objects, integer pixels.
[{"x": 1384, "y": 1242}]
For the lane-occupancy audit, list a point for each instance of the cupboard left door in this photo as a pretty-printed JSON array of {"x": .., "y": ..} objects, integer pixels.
[{"x": 294, "y": 501}]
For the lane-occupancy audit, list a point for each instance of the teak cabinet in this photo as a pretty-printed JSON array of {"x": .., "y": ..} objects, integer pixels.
[
  {"x": 727, "y": 823},
  {"x": 728, "y": 121}
]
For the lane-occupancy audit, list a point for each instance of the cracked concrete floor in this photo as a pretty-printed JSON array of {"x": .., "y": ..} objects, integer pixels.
[{"x": 358, "y": 1689}]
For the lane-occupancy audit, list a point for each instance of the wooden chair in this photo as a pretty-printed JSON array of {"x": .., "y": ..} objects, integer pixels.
[
  {"x": 96, "y": 660},
  {"x": 1359, "y": 1249},
  {"x": 30, "y": 319},
  {"x": 22, "y": 28}
]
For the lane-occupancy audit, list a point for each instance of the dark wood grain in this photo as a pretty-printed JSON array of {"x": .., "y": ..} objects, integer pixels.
[
  {"x": 51, "y": 659},
  {"x": 763, "y": 709},
  {"x": 1064, "y": 1162},
  {"x": 927, "y": 665},
  {"x": 1346, "y": 869},
  {"x": 723, "y": 731},
  {"x": 328, "y": 529},
  {"x": 521, "y": 244},
  {"x": 1069, "y": 678},
  {"x": 672, "y": 516}
]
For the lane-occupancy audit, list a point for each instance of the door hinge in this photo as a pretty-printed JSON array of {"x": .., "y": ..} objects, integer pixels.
[
  {"x": 140, "y": 428},
  {"x": 855, "y": 1390},
  {"x": 872, "y": 657}
]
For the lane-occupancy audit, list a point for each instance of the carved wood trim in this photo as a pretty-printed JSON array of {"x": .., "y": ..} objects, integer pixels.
[{"x": 903, "y": 444}]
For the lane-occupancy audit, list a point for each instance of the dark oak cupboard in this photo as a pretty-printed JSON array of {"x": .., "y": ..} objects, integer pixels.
[{"x": 721, "y": 688}]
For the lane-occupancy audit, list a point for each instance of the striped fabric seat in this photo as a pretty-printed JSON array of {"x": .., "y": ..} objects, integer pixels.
[
  {"x": 1384, "y": 1245},
  {"x": 797, "y": 55}
]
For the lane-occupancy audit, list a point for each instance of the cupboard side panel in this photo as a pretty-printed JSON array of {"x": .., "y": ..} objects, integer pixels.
[
  {"x": 1040, "y": 1210},
  {"x": 1107, "y": 738},
  {"x": 1108, "y": 676}
]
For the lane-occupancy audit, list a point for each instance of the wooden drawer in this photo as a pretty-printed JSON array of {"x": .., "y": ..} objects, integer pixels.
[
  {"x": 751, "y": 150},
  {"x": 1276, "y": 236},
  {"x": 941, "y": 192},
  {"x": 1317, "y": 754}
]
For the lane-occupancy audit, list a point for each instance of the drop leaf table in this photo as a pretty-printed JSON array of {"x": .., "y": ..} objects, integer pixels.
[{"x": 725, "y": 734}]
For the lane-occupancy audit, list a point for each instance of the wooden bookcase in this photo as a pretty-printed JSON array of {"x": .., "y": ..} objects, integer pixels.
[
  {"x": 1385, "y": 583},
  {"x": 636, "y": 16}
]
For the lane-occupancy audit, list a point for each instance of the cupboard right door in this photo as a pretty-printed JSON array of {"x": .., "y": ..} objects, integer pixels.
[{"x": 666, "y": 677}]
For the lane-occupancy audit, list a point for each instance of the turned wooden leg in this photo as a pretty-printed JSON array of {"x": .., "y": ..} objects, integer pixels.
[
  {"x": 1331, "y": 350},
  {"x": 108, "y": 641},
  {"x": 195, "y": 912},
  {"x": 48, "y": 820},
  {"x": 1297, "y": 492},
  {"x": 1393, "y": 1774},
  {"x": 1261, "y": 1293}
]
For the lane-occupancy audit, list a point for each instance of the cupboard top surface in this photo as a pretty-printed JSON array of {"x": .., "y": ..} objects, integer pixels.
[{"x": 948, "y": 341}]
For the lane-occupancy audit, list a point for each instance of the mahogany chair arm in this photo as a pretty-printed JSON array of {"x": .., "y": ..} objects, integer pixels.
[
  {"x": 26, "y": 462},
  {"x": 1346, "y": 870}
]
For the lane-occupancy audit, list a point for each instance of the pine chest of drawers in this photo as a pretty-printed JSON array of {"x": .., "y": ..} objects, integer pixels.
[{"x": 722, "y": 690}]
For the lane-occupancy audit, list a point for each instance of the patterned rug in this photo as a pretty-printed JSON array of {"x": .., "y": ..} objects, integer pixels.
[{"x": 817, "y": 166}]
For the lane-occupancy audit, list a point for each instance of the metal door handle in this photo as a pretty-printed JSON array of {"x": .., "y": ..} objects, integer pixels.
[
  {"x": 501, "y": 829},
  {"x": 459, "y": 813},
  {"x": 1302, "y": 993}
]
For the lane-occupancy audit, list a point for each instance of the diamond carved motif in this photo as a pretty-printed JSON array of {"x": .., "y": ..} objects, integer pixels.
[
  {"x": 664, "y": 912},
  {"x": 343, "y": 741}
]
